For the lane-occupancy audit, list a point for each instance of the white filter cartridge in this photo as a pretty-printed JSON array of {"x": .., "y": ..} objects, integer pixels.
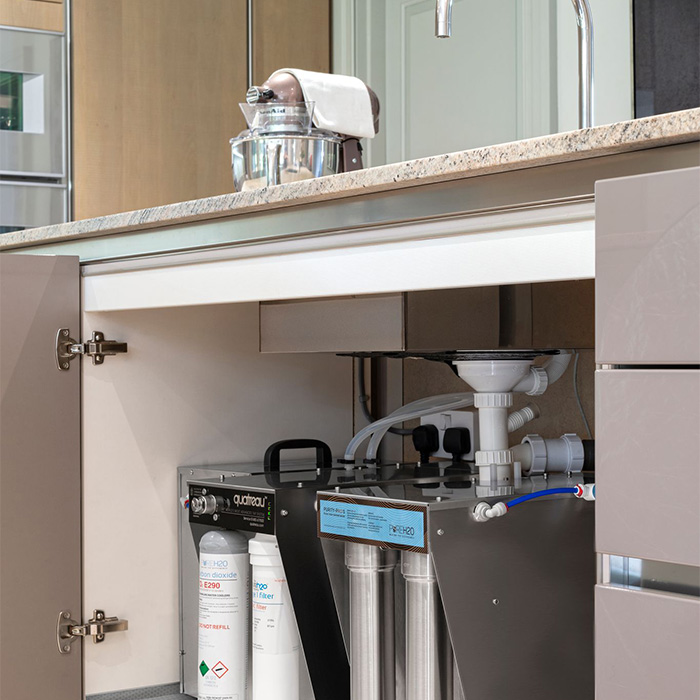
[
  {"x": 275, "y": 636},
  {"x": 223, "y": 616}
]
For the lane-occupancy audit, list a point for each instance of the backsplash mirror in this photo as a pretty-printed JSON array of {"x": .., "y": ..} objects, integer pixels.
[{"x": 510, "y": 70}]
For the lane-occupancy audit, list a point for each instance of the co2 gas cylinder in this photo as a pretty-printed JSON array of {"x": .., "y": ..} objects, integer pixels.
[
  {"x": 223, "y": 616},
  {"x": 275, "y": 636}
]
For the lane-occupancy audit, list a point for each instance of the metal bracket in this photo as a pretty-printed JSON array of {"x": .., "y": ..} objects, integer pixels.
[
  {"x": 97, "y": 348},
  {"x": 68, "y": 630}
]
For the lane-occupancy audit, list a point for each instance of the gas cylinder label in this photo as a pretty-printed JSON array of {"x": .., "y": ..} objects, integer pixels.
[
  {"x": 274, "y": 630},
  {"x": 401, "y": 526},
  {"x": 223, "y": 614}
]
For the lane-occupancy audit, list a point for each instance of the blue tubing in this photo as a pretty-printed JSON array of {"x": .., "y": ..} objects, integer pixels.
[{"x": 546, "y": 492}]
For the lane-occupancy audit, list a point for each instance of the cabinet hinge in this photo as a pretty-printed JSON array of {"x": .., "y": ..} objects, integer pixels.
[
  {"x": 97, "y": 348},
  {"x": 68, "y": 630}
]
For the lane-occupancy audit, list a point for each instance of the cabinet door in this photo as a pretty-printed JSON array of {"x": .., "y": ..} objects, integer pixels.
[
  {"x": 40, "y": 512},
  {"x": 156, "y": 87},
  {"x": 647, "y": 274}
]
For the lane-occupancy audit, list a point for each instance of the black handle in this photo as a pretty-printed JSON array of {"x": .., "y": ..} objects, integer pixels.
[{"x": 324, "y": 458}]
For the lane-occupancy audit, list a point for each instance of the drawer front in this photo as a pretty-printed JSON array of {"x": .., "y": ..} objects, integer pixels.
[
  {"x": 647, "y": 645},
  {"x": 648, "y": 464},
  {"x": 648, "y": 269}
]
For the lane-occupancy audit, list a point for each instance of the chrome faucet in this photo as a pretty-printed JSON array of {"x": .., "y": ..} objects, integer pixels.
[{"x": 584, "y": 22}]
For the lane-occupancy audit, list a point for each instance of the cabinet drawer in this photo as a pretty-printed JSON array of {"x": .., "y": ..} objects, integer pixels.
[
  {"x": 32, "y": 14},
  {"x": 648, "y": 464},
  {"x": 647, "y": 645},
  {"x": 648, "y": 269}
]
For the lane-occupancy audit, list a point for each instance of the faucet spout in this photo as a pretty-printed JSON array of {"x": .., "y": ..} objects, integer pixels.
[
  {"x": 584, "y": 22},
  {"x": 443, "y": 19}
]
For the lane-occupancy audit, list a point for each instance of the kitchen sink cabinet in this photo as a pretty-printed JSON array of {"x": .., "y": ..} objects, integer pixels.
[
  {"x": 47, "y": 15},
  {"x": 156, "y": 87},
  {"x": 193, "y": 388}
]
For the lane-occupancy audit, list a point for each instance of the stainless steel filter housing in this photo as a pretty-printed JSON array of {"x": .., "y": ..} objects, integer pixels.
[{"x": 275, "y": 159}]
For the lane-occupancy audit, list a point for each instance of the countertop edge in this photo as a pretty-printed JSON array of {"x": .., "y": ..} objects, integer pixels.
[{"x": 621, "y": 137}]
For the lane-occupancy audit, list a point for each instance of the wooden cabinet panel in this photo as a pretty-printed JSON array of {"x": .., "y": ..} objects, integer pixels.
[
  {"x": 155, "y": 100},
  {"x": 290, "y": 34},
  {"x": 32, "y": 14}
]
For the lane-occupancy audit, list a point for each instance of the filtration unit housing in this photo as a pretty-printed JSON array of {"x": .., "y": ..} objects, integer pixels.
[{"x": 398, "y": 591}]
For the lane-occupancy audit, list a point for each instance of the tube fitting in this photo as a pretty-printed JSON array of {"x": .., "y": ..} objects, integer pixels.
[
  {"x": 484, "y": 512},
  {"x": 585, "y": 491}
]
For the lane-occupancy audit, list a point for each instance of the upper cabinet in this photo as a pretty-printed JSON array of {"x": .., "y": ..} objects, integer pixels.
[
  {"x": 290, "y": 34},
  {"x": 33, "y": 14},
  {"x": 156, "y": 87}
]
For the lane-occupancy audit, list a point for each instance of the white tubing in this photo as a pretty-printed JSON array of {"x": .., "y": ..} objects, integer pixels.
[
  {"x": 379, "y": 434},
  {"x": 554, "y": 366},
  {"x": 432, "y": 404},
  {"x": 517, "y": 419}
]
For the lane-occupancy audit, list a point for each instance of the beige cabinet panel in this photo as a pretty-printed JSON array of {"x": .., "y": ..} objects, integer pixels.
[
  {"x": 648, "y": 464},
  {"x": 40, "y": 505},
  {"x": 647, "y": 645},
  {"x": 648, "y": 269}
]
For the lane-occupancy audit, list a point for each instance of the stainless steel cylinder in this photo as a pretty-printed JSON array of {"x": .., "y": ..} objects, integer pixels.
[
  {"x": 429, "y": 657},
  {"x": 372, "y": 651}
]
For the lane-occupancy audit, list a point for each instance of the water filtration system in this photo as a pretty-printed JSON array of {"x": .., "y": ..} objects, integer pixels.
[{"x": 375, "y": 581}]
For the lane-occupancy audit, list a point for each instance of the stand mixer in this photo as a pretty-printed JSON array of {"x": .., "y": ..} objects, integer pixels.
[{"x": 282, "y": 143}]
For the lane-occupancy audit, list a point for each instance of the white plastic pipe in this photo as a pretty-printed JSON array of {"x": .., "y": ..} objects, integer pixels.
[
  {"x": 538, "y": 455},
  {"x": 554, "y": 367},
  {"x": 517, "y": 419}
]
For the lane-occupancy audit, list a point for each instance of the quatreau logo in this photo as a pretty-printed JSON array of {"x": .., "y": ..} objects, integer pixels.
[{"x": 250, "y": 500}]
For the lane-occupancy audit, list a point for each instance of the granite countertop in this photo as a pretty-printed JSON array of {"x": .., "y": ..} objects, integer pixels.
[{"x": 620, "y": 137}]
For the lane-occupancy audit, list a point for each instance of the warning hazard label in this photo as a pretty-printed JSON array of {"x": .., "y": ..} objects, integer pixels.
[
  {"x": 220, "y": 669},
  {"x": 203, "y": 668}
]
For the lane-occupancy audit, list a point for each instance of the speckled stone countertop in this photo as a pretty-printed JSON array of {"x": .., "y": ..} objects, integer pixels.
[{"x": 621, "y": 137}]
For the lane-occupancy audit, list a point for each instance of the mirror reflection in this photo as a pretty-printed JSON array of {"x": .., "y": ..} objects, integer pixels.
[{"x": 509, "y": 71}]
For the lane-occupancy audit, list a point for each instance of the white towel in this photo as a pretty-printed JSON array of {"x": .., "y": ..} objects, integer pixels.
[{"x": 342, "y": 102}]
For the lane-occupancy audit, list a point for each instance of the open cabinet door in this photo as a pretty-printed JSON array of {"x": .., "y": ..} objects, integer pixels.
[{"x": 40, "y": 503}]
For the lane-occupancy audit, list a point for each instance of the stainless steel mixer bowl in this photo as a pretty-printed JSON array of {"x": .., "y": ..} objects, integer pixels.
[{"x": 262, "y": 161}]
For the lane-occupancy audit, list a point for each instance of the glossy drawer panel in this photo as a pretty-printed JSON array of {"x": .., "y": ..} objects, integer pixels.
[
  {"x": 648, "y": 464},
  {"x": 648, "y": 269},
  {"x": 647, "y": 645}
]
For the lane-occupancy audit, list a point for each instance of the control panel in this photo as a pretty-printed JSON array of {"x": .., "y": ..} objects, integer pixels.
[{"x": 232, "y": 508}]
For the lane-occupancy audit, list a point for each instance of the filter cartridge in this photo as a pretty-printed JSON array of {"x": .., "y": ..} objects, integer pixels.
[
  {"x": 223, "y": 616},
  {"x": 275, "y": 636}
]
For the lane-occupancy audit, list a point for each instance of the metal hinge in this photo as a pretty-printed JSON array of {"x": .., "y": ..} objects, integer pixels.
[
  {"x": 68, "y": 630},
  {"x": 97, "y": 348}
]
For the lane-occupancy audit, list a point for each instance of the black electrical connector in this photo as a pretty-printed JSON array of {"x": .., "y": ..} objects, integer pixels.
[
  {"x": 426, "y": 440},
  {"x": 458, "y": 442}
]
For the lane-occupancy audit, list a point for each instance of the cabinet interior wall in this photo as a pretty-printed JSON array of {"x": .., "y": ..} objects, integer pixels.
[{"x": 194, "y": 389}]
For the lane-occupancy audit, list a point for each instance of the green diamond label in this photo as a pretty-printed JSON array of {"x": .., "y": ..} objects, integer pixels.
[{"x": 203, "y": 668}]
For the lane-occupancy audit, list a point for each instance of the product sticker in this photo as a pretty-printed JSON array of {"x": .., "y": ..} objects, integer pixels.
[
  {"x": 374, "y": 523},
  {"x": 223, "y": 624}
]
